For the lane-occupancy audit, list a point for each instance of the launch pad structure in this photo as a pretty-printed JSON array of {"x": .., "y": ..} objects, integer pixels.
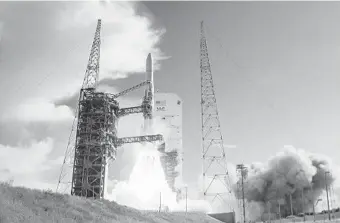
[
  {"x": 96, "y": 140},
  {"x": 96, "y": 122}
]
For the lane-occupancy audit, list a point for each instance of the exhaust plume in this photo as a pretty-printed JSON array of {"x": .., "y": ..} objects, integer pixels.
[{"x": 146, "y": 187}]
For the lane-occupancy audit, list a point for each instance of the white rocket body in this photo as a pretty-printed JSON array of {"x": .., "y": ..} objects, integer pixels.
[
  {"x": 149, "y": 72},
  {"x": 149, "y": 92}
]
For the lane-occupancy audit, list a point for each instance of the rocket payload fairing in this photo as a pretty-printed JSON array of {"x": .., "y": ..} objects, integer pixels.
[
  {"x": 149, "y": 72},
  {"x": 149, "y": 95}
]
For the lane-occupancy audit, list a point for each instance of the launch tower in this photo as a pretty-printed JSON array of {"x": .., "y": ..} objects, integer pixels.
[{"x": 96, "y": 140}]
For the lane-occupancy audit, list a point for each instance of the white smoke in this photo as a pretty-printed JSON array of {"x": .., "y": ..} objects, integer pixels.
[
  {"x": 146, "y": 185},
  {"x": 292, "y": 172},
  {"x": 147, "y": 188}
]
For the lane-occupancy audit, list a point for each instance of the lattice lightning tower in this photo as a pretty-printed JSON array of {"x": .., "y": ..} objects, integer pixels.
[{"x": 216, "y": 183}]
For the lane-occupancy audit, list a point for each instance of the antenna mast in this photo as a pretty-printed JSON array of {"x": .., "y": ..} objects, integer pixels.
[{"x": 216, "y": 182}]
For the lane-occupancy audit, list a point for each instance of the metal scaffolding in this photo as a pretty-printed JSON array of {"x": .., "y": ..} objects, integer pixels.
[
  {"x": 96, "y": 121},
  {"x": 96, "y": 139}
]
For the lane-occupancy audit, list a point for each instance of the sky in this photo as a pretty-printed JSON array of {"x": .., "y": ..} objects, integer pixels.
[
  {"x": 275, "y": 67},
  {"x": 275, "y": 72}
]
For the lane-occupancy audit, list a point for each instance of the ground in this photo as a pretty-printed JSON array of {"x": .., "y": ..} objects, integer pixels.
[
  {"x": 18, "y": 204},
  {"x": 319, "y": 218}
]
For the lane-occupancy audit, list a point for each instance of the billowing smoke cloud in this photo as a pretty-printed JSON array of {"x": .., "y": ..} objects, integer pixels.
[
  {"x": 143, "y": 185},
  {"x": 146, "y": 183},
  {"x": 147, "y": 189},
  {"x": 291, "y": 176}
]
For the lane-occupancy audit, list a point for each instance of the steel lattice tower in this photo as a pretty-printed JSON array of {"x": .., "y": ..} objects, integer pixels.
[
  {"x": 71, "y": 154},
  {"x": 216, "y": 183},
  {"x": 95, "y": 120},
  {"x": 92, "y": 69}
]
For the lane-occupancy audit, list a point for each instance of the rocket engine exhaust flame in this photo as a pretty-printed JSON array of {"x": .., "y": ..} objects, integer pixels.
[{"x": 295, "y": 173}]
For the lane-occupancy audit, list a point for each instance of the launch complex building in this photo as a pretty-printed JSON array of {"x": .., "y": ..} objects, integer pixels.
[{"x": 98, "y": 114}]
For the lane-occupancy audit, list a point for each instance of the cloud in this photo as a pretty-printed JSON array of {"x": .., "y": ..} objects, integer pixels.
[
  {"x": 56, "y": 37},
  {"x": 291, "y": 171},
  {"x": 288, "y": 171},
  {"x": 25, "y": 159},
  {"x": 127, "y": 38},
  {"x": 26, "y": 165},
  {"x": 35, "y": 120},
  {"x": 38, "y": 110}
]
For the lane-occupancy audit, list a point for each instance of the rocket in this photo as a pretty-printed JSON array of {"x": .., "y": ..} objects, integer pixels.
[
  {"x": 149, "y": 95},
  {"x": 149, "y": 72}
]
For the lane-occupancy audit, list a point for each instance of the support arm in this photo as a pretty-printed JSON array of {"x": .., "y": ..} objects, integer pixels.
[
  {"x": 128, "y": 111},
  {"x": 130, "y": 89},
  {"x": 134, "y": 139}
]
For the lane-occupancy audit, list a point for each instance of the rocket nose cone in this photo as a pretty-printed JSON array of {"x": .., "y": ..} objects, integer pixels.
[{"x": 149, "y": 63}]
